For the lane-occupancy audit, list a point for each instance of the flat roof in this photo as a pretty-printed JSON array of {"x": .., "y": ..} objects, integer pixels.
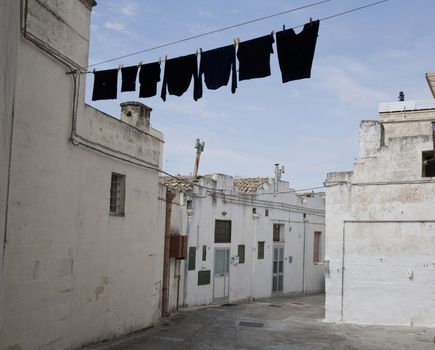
[{"x": 412, "y": 105}]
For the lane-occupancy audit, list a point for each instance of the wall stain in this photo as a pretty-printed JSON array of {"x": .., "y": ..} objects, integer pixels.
[{"x": 98, "y": 291}]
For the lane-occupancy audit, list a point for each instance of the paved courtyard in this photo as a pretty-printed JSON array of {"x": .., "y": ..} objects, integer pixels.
[{"x": 277, "y": 323}]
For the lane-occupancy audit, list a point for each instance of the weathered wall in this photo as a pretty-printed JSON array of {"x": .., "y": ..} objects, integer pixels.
[
  {"x": 73, "y": 274},
  {"x": 381, "y": 227},
  {"x": 254, "y": 277},
  {"x": 9, "y": 27}
]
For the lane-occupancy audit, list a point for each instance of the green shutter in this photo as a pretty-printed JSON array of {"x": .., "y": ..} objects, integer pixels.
[
  {"x": 203, "y": 277},
  {"x": 192, "y": 258}
]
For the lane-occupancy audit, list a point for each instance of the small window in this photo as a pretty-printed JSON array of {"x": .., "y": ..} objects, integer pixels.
[
  {"x": 117, "y": 194},
  {"x": 222, "y": 231},
  {"x": 192, "y": 258},
  {"x": 254, "y": 210},
  {"x": 189, "y": 204},
  {"x": 241, "y": 253},
  {"x": 428, "y": 170},
  {"x": 266, "y": 212},
  {"x": 261, "y": 250},
  {"x": 204, "y": 253},
  {"x": 316, "y": 249},
  {"x": 203, "y": 277},
  {"x": 277, "y": 230}
]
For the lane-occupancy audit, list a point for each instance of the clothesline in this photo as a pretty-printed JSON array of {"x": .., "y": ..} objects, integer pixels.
[
  {"x": 295, "y": 57},
  {"x": 237, "y": 25}
]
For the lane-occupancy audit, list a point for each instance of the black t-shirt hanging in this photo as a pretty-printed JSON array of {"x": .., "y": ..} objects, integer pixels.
[
  {"x": 178, "y": 75},
  {"x": 149, "y": 75},
  {"x": 254, "y": 57},
  {"x": 216, "y": 66},
  {"x": 128, "y": 75},
  {"x": 105, "y": 85},
  {"x": 296, "y": 51}
]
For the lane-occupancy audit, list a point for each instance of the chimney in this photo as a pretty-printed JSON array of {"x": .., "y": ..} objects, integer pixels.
[{"x": 136, "y": 114}]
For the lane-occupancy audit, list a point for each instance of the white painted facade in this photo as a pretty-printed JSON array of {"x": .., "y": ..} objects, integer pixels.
[
  {"x": 71, "y": 273},
  {"x": 300, "y": 217},
  {"x": 381, "y": 224}
]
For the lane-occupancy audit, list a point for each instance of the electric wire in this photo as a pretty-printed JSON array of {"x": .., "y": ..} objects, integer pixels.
[
  {"x": 238, "y": 25},
  {"x": 209, "y": 33}
]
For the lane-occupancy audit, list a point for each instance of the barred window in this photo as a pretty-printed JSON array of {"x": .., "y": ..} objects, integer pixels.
[
  {"x": 117, "y": 194},
  {"x": 222, "y": 231}
]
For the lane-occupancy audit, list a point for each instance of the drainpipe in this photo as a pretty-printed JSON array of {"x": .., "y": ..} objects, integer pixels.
[
  {"x": 304, "y": 254},
  {"x": 432, "y": 160},
  {"x": 165, "y": 288}
]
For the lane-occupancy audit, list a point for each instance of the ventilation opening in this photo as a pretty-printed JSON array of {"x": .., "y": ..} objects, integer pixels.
[
  {"x": 128, "y": 114},
  {"x": 428, "y": 170}
]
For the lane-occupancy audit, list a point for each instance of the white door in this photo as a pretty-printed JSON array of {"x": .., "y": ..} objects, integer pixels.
[
  {"x": 278, "y": 269},
  {"x": 221, "y": 285}
]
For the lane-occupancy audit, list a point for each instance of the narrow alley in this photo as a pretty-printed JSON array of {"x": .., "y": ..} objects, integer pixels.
[{"x": 277, "y": 323}]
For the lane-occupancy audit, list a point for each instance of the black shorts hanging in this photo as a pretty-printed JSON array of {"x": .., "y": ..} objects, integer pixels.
[{"x": 296, "y": 51}]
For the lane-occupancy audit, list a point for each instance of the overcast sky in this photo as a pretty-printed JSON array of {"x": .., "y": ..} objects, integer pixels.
[{"x": 311, "y": 125}]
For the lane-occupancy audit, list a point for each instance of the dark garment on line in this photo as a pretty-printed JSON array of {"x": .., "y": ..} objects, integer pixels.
[
  {"x": 129, "y": 78},
  {"x": 296, "y": 51},
  {"x": 105, "y": 85},
  {"x": 254, "y": 57},
  {"x": 178, "y": 75},
  {"x": 149, "y": 75},
  {"x": 216, "y": 66}
]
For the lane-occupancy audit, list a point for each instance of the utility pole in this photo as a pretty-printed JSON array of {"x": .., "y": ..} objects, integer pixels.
[{"x": 199, "y": 149}]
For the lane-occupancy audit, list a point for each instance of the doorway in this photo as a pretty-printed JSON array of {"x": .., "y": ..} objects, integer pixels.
[
  {"x": 278, "y": 269},
  {"x": 221, "y": 280}
]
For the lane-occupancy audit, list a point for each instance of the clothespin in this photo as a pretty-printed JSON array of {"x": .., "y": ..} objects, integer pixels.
[
  {"x": 200, "y": 50},
  {"x": 166, "y": 58},
  {"x": 311, "y": 20},
  {"x": 283, "y": 27},
  {"x": 160, "y": 60},
  {"x": 238, "y": 41},
  {"x": 272, "y": 33},
  {"x": 235, "y": 42},
  {"x": 93, "y": 70},
  {"x": 119, "y": 67},
  {"x": 140, "y": 63},
  {"x": 197, "y": 52}
]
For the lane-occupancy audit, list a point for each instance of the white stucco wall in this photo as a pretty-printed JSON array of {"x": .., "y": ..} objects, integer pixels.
[
  {"x": 73, "y": 274},
  {"x": 253, "y": 279},
  {"x": 381, "y": 227}
]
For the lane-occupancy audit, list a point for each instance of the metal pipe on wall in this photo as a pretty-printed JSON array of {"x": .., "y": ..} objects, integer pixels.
[{"x": 165, "y": 287}]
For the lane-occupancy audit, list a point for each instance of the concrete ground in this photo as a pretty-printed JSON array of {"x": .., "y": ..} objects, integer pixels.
[{"x": 277, "y": 323}]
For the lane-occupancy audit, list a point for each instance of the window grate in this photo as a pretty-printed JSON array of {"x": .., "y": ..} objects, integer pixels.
[{"x": 117, "y": 194}]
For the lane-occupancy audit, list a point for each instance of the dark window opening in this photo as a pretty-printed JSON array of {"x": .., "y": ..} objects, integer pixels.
[
  {"x": 266, "y": 212},
  {"x": 204, "y": 253},
  {"x": 192, "y": 258},
  {"x": 261, "y": 250},
  {"x": 241, "y": 253},
  {"x": 316, "y": 249},
  {"x": 189, "y": 204},
  {"x": 222, "y": 231},
  {"x": 254, "y": 210},
  {"x": 428, "y": 170}
]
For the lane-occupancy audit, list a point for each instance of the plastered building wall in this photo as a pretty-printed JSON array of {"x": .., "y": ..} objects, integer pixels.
[
  {"x": 252, "y": 279},
  {"x": 72, "y": 274},
  {"x": 381, "y": 226}
]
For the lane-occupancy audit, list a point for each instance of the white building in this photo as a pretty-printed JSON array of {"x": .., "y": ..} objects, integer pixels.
[
  {"x": 246, "y": 239},
  {"x": 380, "y": 221},
  {"x": 79, "y": 211}
]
